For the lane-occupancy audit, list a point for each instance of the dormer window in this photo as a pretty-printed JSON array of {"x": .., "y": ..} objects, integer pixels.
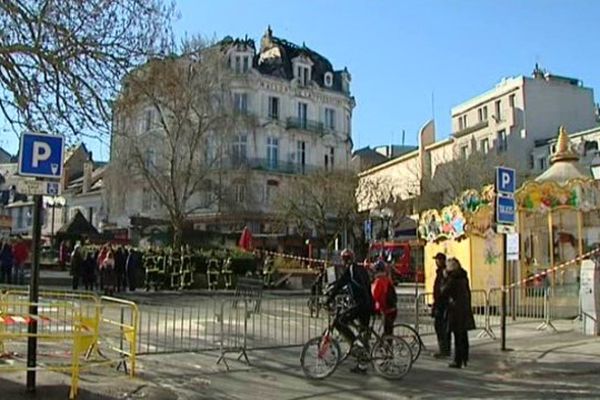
[
  {"x": 328, "y": 79},
  {"x": 240, "y": 62},
  {"x": 303, "y": 74}
]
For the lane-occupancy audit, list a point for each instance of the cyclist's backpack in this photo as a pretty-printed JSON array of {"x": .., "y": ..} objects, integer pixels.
[{"x": 392, "y": 298}]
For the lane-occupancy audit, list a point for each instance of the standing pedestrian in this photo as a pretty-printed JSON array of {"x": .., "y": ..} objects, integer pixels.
[
  {"x": 120, "y": 261},
  {"x": 100, "y": 262},
  {"x": 460, "y": 315},
  {"x": 20, "y": 256},
  {"x": 6, "y": 262},
  {"x": 63, "y": 253},
  {"x": 132, "y": 266},
  {"x": 439, "y": 310},
  {"x": 89, "y": 270},
  {"x": 76, "y": 265},
  {"x": 108, "y": 273}
]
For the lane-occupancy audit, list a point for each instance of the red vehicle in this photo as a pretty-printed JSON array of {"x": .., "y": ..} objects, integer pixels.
[{"x": 406, "y": 257}]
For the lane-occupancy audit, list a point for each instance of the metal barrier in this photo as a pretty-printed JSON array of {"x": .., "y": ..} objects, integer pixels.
[
  {"x": 59, "y": 329},
  {"x": 119, "y": 323}
]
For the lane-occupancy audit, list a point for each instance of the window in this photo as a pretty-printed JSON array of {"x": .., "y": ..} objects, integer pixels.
[
  {"x": 271, "y": 190},
  {"x": 303, "y": 75},
  {"x": 330, "y": 119},
  {"x": 302, "y": 114},
  {"x": 210, "y": 150},
  {"x": 462, "y": 122},
  {"x": 498, "y": 110},
  {"x": 146, "y": 199},
  {"x": 240, "y": 102},
  {"x": 329, "y": 159},
  {"x": 274, "y": 107},
  {"x": 328, "y": 79},
  {"x": 501, "y": 141},
  {"x": 20, "y": 218},
  {"x": 464, "y": 152},
  {"x": 480, "y": 114},
  {"x": 238, "y": 64},
  {"x": 150, "y": 159},
  {"x": 301, "y": 155},
  {"x": 542, "y": 163},
  {"x": 485, "y": 113},
  {"x": 511, "y": 101},
  {"x": 272, "y": 152},
  {"x": 239, "y": 150},
  {"x": 485, "y": 146},
  {"x": 246, "y": 64},
  {"x": 240, "y": 192}
]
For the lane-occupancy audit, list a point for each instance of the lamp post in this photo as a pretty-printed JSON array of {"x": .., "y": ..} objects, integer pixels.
[{"x": 54, "y": 202}]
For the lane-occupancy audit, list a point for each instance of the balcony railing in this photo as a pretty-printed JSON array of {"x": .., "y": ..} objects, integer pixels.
[
  {"x": 470, "y": 129},
  {"x": 306, "y": 125},
  {"x": 265, "y": 164}
]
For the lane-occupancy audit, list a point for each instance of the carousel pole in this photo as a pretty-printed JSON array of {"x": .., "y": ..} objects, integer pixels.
[
  {"x": 580, "y": 232},
  {"x": 551, "y": 239}
]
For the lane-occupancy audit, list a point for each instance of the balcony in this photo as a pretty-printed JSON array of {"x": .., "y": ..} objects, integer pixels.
[
  {"x": 471, "y": 129},
  {"x": 306, "y": 125},
  {"x": 279, "y": 166}
]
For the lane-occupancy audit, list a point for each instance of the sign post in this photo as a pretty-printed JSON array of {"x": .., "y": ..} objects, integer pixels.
[
  {"x": 505, "y": 220},
  {"x": 41, "y": 156}
]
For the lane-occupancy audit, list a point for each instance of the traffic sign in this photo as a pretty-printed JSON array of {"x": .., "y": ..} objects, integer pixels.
[
  {"x": 505, "y": 180},
  {"x": 41, "y": 155},
  {"x": 32, "y": 187},
  {"x": 505, "y": 209}
]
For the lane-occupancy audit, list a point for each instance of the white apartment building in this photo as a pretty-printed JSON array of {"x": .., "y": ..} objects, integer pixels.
[
  {"x": 303, "y": 108},
  {"x": 519, "y": 111},
  {"x": 516, "y": 120}
]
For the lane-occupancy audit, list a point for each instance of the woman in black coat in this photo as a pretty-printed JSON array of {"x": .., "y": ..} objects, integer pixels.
[{"x": 457, "y": 294}]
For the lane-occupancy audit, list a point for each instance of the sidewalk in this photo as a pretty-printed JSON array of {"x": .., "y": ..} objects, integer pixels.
[{"x": 541, "y": 365}]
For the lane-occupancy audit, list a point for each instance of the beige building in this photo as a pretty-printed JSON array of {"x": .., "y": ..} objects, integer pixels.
[{"x": 513, "y": 122}]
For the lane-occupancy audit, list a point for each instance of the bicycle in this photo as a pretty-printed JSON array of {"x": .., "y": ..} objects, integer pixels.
[
  {"x": 390, "y": 355},
  {"x": 410, "y": 336}
]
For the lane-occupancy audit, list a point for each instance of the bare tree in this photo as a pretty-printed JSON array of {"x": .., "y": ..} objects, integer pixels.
[
  {"x": 174, "y": 122},
  {"x": 61, "y": 61},
  {"x": 323, "y": 202}
]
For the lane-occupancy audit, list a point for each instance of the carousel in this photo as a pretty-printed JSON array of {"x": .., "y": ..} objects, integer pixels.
[
  {"x": 558, "y": 222},
  {"x": 465, "y": 230},
  {"x": 558, "y": 219}
]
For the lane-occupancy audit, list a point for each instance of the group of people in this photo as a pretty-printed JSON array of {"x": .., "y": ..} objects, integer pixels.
[
  {"x": 452, "y": 312},
  {"x": 13, "y": 256},
  {"x": 451, "y": 309},
  {"x": 106, "y": 268}
]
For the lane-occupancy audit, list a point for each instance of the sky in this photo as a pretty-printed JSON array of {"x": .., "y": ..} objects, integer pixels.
[{"x": 412, "y": 60}]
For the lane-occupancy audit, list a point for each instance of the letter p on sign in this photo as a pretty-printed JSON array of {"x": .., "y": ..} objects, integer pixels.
[{"x": 41, "y": 152}]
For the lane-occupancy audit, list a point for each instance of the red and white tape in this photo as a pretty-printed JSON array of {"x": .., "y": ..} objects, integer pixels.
[
  {"x": 297, "y": 258},
  {"x": 8, "y": 319}
]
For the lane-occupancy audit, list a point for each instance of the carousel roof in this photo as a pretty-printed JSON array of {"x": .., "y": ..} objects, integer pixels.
[{"x": 565, "y": 163}]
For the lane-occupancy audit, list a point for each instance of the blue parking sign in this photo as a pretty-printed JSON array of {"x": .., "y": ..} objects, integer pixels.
[
  {"x": 505, "y": 180},
  {"x": 41, "y": 155},
  {"x": 505, "y": 210}
]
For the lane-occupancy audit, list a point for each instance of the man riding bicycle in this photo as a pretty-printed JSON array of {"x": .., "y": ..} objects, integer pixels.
[{"x": 356, "y": 279}]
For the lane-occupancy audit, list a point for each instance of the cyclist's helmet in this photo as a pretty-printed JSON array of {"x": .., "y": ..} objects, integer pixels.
[
  {"x": 379, "y": 266},
  {"x": 347, "y": 255}
]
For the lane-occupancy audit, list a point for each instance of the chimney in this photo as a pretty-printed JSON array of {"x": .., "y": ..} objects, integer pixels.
[{"x": 88, "y": 166}]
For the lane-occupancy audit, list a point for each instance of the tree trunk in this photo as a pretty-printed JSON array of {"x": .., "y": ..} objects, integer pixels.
[{"x": 177, "y": 226}]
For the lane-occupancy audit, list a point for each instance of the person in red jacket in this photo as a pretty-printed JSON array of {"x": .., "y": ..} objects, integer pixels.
[
  {"x": 384, "y": 296},
  {"x": 20, "y": 255}
]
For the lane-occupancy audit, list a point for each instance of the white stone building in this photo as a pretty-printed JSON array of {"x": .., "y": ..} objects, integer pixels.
[
  {"x": 303, "y": 108},
  {"x": 516, "y": 120}
]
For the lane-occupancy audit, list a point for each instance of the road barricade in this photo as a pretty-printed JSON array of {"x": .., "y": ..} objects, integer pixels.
[
  {"x": 59, "y": 331},
  {"x": 119, "y": 326}
]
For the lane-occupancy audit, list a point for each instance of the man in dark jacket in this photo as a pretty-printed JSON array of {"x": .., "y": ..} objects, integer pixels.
[
  {"x": 439, "y": 308},
  {"x": 455, "y": 291},
  {"x": 76, "y": 265},
  {"x": 356, "y": 279}
]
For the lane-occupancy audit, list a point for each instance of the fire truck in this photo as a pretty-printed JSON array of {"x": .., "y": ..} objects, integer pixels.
[{"x": 405, "y": 258}]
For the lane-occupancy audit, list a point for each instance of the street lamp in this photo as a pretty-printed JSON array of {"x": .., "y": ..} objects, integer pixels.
[
  {"x": 54, "y": 202},
  {"x": 595, "y": 167}
]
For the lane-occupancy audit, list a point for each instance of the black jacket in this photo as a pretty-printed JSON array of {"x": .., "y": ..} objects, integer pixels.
[
  {"x": 359, "y": 286},
  {"x": 455, "y": 291},
  {"x": 439, "y": 305}
]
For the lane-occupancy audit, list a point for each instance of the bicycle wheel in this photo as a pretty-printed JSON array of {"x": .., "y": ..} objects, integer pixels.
[
  {"x": 344, "y": 346},
  {"x": 411, "y": 336},
  {"x": 320, "y": 357},
  {"x": 391, "y": 357}
]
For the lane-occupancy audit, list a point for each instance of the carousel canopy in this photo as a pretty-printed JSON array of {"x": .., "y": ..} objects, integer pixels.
[{"x": 565, "y": 163}]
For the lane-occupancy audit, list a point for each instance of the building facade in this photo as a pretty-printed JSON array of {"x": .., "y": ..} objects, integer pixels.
[
  {"x": 515, "y": 123},
  {"x": 302, "y": 108}
]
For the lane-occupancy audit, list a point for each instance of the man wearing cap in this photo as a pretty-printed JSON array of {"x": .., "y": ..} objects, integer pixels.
[{"x": 439, "y": 309}]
